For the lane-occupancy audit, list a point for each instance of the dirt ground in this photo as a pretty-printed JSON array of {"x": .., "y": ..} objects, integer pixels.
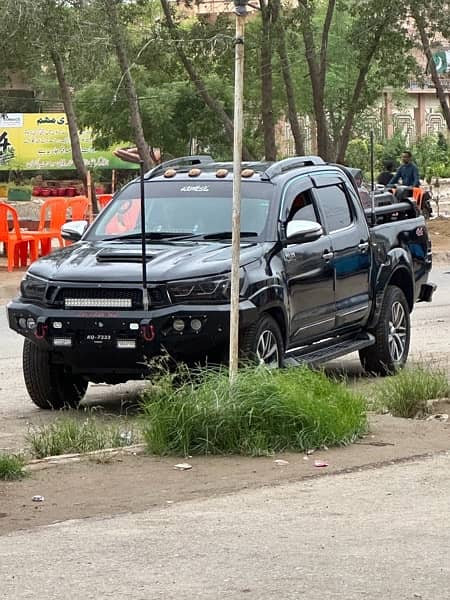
[
  {"x": 130, "y": 484},
  {"x": 439, "y": 230}
]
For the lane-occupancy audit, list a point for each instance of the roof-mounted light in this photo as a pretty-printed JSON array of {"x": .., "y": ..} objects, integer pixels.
[
  {"x": 248, "y": 173},
  {"x": 194, "y": 172},
  {"x": 170, "y": 173},
  {"x": 221, "y": 173}
]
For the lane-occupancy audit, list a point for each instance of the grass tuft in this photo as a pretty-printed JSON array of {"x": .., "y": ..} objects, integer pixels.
[
  {"x": 11, "y": 467},
  {"x": 70, "y": 436},
  {"x": 407, "y": 393},
  {"x": 264, "y": 412}
]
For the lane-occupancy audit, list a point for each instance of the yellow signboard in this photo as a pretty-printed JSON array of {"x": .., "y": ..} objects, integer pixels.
[{"x": 40, "y": 141}]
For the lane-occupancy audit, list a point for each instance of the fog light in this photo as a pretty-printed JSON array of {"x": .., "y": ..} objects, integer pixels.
[
  {"x": 57, "y": 325},
  {"x": 31, "y": 323},
  {"x": 22, "y": 322},
  {"x": 196, "y": 324},
  {"x": 134, "y": 326},
  {"x": 126, "y": 344},
  {"x": 62, "y": 341},
  {"x": 178, "y": 325}
]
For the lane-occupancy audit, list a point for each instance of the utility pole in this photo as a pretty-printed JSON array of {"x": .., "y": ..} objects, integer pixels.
[{"x": 241, "y": 13}]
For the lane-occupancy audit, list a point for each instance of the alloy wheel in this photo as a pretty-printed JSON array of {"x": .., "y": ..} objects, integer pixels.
[{"x": 397, "y": 332}]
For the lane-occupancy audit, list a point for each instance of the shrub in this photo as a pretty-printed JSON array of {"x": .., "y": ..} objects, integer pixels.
[
  {"x": 263, "y": 412},
  {"x": 406, "y": 394},
  {"x": 68, "y": 435},
  {"x": 11, "y": 467}
]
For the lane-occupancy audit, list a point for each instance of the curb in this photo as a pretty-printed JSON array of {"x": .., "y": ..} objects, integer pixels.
[{"x": 62, "y": 459}]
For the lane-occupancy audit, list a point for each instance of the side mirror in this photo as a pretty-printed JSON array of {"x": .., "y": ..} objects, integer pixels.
[
  {"x": 299, "y": 232},
  {"x": 73, "y": 230}
]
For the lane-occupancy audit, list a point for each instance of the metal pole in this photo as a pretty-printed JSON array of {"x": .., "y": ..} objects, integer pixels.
[
  {"x": 241, "y": 13},
  {"x": 143, "y": 239},
  {"x": 372, "y": 176}
]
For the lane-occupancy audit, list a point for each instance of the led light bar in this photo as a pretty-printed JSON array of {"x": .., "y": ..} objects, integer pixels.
[{"x": 98, "y": 302}]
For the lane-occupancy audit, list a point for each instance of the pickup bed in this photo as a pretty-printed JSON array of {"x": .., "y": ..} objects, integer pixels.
[{"x": 320, "y": 277}]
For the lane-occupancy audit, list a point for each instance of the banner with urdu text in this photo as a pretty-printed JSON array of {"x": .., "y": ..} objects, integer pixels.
[{"x": 40, "y": 141}]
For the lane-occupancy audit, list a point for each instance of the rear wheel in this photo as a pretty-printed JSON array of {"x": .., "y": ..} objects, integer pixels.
[
  {"x": 48, "y": 385},
  {"x": 392, "y": 335},
  {"x": 262, "y": 342}
]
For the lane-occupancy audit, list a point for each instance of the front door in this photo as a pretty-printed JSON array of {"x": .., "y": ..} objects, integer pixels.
[
  {"x": 350, "y": 246},
  {"x": 309, "y": 274}
]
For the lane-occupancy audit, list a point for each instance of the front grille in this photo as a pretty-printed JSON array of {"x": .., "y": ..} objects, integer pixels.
[{"x": 107, "y": 298}]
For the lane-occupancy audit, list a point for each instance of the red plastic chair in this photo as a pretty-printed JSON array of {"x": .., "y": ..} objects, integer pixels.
[
  {"x": 78, "y": 208},
  {"x": 53, "y": 211},
  {"x": 104, "y": 199},
  {"x": 18, "y": 244}
]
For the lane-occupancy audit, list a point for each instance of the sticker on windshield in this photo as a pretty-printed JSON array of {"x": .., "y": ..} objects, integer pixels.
[{"x": 195, "y": 188}]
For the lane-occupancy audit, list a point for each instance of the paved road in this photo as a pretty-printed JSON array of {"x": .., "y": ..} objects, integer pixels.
[
  {"x": 378, "y": 534},
  {"x": 429, "y": 343}
]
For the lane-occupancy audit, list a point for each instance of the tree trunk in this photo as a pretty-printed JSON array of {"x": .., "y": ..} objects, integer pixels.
[
  {"x": 287, "y": 78},
  {"x": 75, "y": 145},
  {"x": 214, "y": 105},
  {"x": 133, "y": 102},
  {"x": 357, "y": 90},
  {"x": 317, "y": 72},
  {"x": 270, "y": 149},
  {"x": 421, "y": 26}
]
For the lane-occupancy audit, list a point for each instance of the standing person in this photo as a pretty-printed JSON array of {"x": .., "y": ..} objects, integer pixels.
[{"x": 407, "y": 172}]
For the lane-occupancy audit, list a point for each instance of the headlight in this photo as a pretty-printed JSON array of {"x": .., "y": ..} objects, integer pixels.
[
  {"x": 215, "y": 289},
  {"x": 33, "y": 288}
]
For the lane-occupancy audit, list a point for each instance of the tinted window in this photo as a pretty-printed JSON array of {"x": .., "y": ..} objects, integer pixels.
[
  {"x": 334, "y": 205},
  {"x": 302, "y": 208},
  {"x": 184, "y": 207}
]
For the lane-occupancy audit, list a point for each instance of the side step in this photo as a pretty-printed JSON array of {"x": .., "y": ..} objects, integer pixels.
[{"x": 320, "y": 353}]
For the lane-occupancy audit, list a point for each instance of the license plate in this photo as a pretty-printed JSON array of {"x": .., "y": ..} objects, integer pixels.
[{"x": 98, "y": 338}]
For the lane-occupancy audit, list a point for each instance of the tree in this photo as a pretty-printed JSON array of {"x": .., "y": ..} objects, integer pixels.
[
  {"x": 52, "y": 32},
  {"x": 425, "y": 15},
  {"x": 111, "y": 11},
  {"x": 198, "y": 82},
  {"x": 292, "y": 112},
  {"x": 317, "y": 64},
  {"x": 270, "y": 148}
]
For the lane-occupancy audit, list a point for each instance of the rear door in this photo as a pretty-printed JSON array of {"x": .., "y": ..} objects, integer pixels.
[{"x": 345, "y": 224}]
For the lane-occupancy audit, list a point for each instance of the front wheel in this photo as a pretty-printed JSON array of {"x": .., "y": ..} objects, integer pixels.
[
  {"x": 48, "y": 385},
  {"x": 262, "y": 342},
  {"x": 392, "y": 336}
]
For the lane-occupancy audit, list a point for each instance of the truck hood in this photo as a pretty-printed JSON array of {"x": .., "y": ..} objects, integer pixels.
[{"x": 121, "y": 262}]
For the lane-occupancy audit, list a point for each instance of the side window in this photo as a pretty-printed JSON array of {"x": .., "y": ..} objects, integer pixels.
[
  {"x": 302, "y": 208},
  {"x": 335, "y": 207}
]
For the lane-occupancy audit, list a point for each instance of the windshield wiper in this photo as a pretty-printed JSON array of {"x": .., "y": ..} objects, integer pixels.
[
  {"x": 149, "y": 235},
  {"x": 218, "y": 235}
]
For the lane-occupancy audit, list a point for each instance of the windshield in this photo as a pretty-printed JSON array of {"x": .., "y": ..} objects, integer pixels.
[{"x": 177, "y": 209}]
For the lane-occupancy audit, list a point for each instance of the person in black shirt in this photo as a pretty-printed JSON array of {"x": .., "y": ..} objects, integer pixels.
[{"x": 385, "y": 176}]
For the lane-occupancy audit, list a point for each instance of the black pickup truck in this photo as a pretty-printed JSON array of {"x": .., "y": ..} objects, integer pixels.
[{"x": 320, "y": 277}]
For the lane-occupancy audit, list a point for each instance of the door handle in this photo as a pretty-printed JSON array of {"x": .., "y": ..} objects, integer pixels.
[
  {"x": 327, "y": 255},
  {"x": 363, "y": 246}
]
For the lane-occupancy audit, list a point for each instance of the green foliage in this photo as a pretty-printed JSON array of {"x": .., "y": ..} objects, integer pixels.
[
  {"x": 263, "y": 412},
  {"x": 11, "y": 467},
  {"x": 358, "y": 155},
  {"x": 432, "y": 156},
  {"x": 68, "y": 435},
  {"x": 406, "y": 394}
]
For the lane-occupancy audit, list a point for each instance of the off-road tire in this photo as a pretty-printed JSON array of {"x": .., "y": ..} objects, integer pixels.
[
  {"x": 252, "y": 337},
  {"x": 48, "y": 385},
  {"x": 392, "y": 331}
]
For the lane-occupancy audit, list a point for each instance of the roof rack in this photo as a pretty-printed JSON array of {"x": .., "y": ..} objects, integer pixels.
[
  {"x": 179, "y": 162},
  {"x": 291, "y": 163}
]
